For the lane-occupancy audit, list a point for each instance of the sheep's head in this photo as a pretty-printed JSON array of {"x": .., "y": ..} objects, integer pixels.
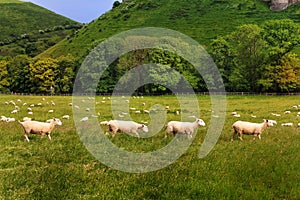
[
  {"x": 269, "y": 122},
  {"x": 57, "y": 122},
  {"x": 200, "y": 122},
  {"x": 144, "y": 128}
]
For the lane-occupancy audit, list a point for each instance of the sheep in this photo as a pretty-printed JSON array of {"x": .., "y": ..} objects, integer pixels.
[
  {"x": 249, "y": 128},
  {"x": 126, "y": 127},
  {"x": 298, "y": 124},
  {"x": 36, "y": 127},
  {"x": 287, "y": 112},
  {"x": 183, "y": 127},
  {"x": 287, "y": 124},
  {"x": 84, "y": 119},
  {"x": 272, "y": 121},
  {"x": 26, "y": 119},
  {"x": 66, "y": 117},
  {"x": 14, "y": 111},
  {"x": 3, "y": 118},
  {"x": 9, "y": 119}
]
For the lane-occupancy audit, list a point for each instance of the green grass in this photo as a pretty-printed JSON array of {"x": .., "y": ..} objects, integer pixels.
[
  {"x": 200, "y": 20},
  {"x": 64, "y": 169}
]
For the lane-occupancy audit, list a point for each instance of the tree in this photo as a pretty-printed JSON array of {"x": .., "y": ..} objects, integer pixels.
[
  {"x": 42, "y": 75},
  {"x": 281, "y": 36},
  {"x": 65, "y": 76},
  {"x": 4, "y": 84},
  {"x": 18, "y": 70}
]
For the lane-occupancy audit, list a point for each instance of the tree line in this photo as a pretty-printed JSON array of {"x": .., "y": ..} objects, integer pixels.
[{"x": 252, "y": 58}]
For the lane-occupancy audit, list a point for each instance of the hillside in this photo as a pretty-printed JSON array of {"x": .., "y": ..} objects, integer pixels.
[
  {"x": 201, "y": 20},
  {"x": 26, "y": 25}
]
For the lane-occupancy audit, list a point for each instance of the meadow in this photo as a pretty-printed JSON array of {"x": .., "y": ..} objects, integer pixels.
[{"x": 64, "y": 169}]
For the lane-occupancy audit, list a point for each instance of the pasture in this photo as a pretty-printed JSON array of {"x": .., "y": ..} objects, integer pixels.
[{"x": 64, "y": 169}]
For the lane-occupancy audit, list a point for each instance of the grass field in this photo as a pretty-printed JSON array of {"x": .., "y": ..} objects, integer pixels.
[{"x": 64, "y": 169}]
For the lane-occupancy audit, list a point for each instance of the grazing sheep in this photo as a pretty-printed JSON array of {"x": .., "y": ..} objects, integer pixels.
[
  {"x": 3, "y": 118},
  {"x": 26, "y": 119},
  {"x": 289, "y": 124},
  {"x": 84, "y": 119},
  {"x": 126, "y": 127},
  {"x": 104, "y": 123},
  {"x": 14, "y": 111},
  {"x": 272, "y": 121},
  {"x": 66, "y": 117},
  {"x": 298, "y": 124},
  {"x": 36, "y": 127},
  {"x": 9, "y": 119},
  {"x": 249, "y": 128},
  {"x": 287, "y": 112},
  {"x": 183, "y": 127}
]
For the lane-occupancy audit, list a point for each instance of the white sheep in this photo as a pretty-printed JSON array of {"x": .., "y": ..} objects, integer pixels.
[
  {"x": 66, "y": 117},
  {"x": 126, "y": 127},
  {"x": 10, "y": 119},
  {"x": 14, "y": 111},
  {"x": 289, "y": 124},
  {"x": 249, "y": 128},
  {"x": 36, "y": 127},
  {"x": 183, "y": 127},
  {"x": 3, "y": 118},
  {"x": 299, "y": 124}
]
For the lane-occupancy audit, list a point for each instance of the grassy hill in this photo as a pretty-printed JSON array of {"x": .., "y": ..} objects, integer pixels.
[
  {"x": 24, "y": 23},
  {"x": 201, "y": 20}
]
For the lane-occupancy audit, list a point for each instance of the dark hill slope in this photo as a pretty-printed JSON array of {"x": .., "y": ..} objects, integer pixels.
[{"x": 201, "y": 20}]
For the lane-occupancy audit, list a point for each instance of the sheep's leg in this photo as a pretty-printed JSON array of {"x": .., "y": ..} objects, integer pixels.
[
  {"x": 26, "y": 137},
  {"x": 168, "y": 131},
  {"x": 136, "y": 133},
  {"x": 240, "y": 136},
  {"x": 49, "y": 136},
  {"x": 233, "y": 135},
  {"x": 259, "y": 136}
]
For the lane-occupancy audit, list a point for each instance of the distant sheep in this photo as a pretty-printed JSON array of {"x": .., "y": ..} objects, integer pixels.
[
  {"x": 36, "y": 127},
  {"x": 289, "y": 124},
  {"x": 183, "y": 127},
  {"x": 126, "y": 127},
  {"x": 249, "y": 128}
]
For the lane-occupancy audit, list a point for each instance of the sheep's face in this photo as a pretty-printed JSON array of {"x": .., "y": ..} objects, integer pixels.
[
  {"x": 145, "y": 128},
  {"x": 200, "y": 122},
  {"x": 270, "y": 122},
  {"x": 58, "y": 122}
]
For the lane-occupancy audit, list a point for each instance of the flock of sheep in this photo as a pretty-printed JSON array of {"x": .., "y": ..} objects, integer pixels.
[{"x": 114, "y": 126}]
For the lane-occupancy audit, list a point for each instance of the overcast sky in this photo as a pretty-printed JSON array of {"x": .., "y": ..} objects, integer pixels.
[{"x": 79, "y": 10}]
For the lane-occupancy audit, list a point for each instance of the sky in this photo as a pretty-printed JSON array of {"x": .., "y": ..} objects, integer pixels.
[{"x": 83, "y": 11}]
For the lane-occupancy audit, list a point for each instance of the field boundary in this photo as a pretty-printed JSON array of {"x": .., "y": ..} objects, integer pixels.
[{"x": 165, "y": 94}]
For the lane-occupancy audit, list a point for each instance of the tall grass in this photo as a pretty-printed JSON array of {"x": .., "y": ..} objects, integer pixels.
[{"x": 64, "y": 169}]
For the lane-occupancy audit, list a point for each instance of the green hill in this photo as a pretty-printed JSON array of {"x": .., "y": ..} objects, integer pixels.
[
  {"x": 201, "y": 20},
  {"x": 25, "y": 25}
]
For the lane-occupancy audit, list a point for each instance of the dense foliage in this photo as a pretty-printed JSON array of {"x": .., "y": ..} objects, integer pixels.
[{"x": 260, "y": 58}]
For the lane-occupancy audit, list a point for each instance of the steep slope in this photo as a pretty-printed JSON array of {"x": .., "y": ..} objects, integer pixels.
[
  {"x": 20, "y": 20},
  {"x": 201, "y": 20}
]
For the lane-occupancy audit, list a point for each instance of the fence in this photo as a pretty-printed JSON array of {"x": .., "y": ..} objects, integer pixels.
[{"x": 160, "y": 94}]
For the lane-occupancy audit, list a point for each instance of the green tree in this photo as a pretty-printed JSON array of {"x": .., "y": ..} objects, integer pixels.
[
  {"x": 4, "y": 83},
  {"x": 18, "y": 70},
  {"x": 64, "y": 79},
  {"x": 281, "y": 36},
  {"x": 42, "y": 75}
]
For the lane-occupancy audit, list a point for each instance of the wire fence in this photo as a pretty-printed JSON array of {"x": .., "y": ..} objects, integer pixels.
[{"x": 162, "y": 94}]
